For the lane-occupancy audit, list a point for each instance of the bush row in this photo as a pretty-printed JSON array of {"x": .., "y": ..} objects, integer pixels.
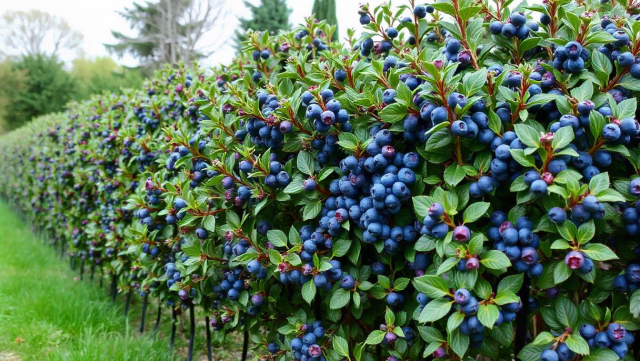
[{"x": 460, "y": 180}]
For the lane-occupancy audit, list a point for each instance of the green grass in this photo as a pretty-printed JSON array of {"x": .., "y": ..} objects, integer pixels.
[{"x": 47, "y": 314}]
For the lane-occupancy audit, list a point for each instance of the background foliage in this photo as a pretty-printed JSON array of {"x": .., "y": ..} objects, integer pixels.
[{"x": 443, "y": 189}]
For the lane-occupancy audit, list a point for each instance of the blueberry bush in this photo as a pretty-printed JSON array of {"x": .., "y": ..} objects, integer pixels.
[{"x": 458, "y": 182}]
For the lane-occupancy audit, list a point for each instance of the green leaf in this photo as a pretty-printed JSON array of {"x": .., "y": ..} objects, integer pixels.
[
  {"x": 454, "y": 321},
  {"x": 601, "y": 64},
  {"x": 577, "y": 344},
  {"x": 635, "y": 303},
  {"x": 209, "y": 223},
  {"x": 389, "y": 317},
  {"x": 528, "y": 135},
  {"x": 488, "y": 315},
  {"x": 511, "y": 283},
  {"x": 339, "y": 299},
  {"x": 459, "y": 343},
  {"x": 473, "y": 82},
  {"x": 567, "y": 230},
  {"x": 305, "y": 163},
  {"x": 340, "y": 345},
  {"x": 309, "y": 291},
  {"x": 566, "y": 312},
  {"x": 561, "y": 272},
  {"x": 560, "y": 244},
  {"x": 563, "y": 137},
  {"x": 448, "y": 264},
  {"x": 430, "y": 349},
  {"x": 435, "y": 310},
  {"x": 599, "y": 183},
  {"x": 476, "y": 243},
  {"x": 524, "y": 160},
  {"x": 432, "y": 286},
  {"x": 504, "y": 297},
  {"x": 583, "y": 92},
  {"x": 627, "y": 108},
  {"x": 495, "y": 259},
  {"x": 421, "y": 205},
  {"x": 384, "y": 282},
  {"x": 596, "y": 123},
  {"x": 277, "y": 238},
  {"x": 475, "y": 211},
  {"x": 543, "y": 339},
  {"x": 483, "y": 289},
  {"x": 311, "y": 210},
  {"x": 430, "y": 334},
  {"x": 393, "y": 113},
  {"x": 601, "y": 354},
  {"x": 586, "y": 231},
  {"x": 454, "y": 174},
  {"x": 610, "y": 195},
  {"x": 375, "y": 337},
  {"x": 599, "y": 252},
  {"x": 400, "y": 284},
  {"x": 341, "y": 247}
]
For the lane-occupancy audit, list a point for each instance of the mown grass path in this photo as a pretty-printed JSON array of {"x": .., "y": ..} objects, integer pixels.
[{"x": 46, "y": 313}]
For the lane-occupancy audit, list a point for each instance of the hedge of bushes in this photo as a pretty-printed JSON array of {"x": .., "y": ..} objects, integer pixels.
[{"x": 461, "y": 180}]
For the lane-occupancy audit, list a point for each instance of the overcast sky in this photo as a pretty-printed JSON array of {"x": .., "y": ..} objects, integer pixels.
[{"x": 95, "y": 19}]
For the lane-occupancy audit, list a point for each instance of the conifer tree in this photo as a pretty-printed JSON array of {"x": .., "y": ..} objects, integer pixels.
[
  {"x": 326, "y": 10},
  {"x": 269, "y": 15}
]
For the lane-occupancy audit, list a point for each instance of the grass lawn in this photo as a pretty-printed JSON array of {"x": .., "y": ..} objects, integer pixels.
[{"x": 47, "y": 313}]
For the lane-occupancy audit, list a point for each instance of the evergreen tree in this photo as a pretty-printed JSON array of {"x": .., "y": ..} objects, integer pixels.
[
  {"x": 47, "y": 89},
  {"x": 168, "y": 31},
  {"x": 269, "y": 15},
  {"x": 326, "y": 10}
]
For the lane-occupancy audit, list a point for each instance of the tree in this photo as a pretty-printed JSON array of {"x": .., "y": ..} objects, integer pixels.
[
  {"x": 12, "y": 81},
  {"x": 326, "y": 10},
  {"x": 169, "y": 31},
  {"x": 93, "y": 76},
  {"x": 270, "y": 15},
  {"x": 47, "y": 88},
  {"x": 35, "y": 32}
]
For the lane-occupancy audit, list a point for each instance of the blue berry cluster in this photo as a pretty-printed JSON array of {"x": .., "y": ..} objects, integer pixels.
[{"x": 518, "y": 242}]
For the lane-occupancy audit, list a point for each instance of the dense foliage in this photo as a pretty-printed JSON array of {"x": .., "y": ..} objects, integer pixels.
[{"x": 447, "y": 188}]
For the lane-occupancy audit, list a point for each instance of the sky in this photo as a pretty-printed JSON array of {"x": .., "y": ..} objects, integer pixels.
[{"x": 95, "y": 19}]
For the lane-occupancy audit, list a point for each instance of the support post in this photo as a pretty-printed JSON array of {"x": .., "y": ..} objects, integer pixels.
[
  {"x": 192, "y": 332},
  {"x": 145, "y": 301},
  {"x": 208, "y": 334},
  {"x": 523, "y": 316}
]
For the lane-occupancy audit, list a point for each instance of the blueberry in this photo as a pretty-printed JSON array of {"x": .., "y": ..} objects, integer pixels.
[
  {"x": 539, "y": 187},
  {"x": 549, "y": 355},
  {"x": 420, "y": 11},
  {"x": 616, "y": 332},
  {"x": 626, "y": 59},
  {"x": 611, "y": 132},
  {"x": 557, "y": 215},
  {"x": 461, "y": 233},
  {"x": 496, "y": 27},
  {"x": 587, "y": 331},
  {"x": 564, "y": 353},
  {"x": 620, "y": 349},
  {"x": 634, "y": 187},
  {"x": 320, "y": 280},
  {"x": 485, "y": 184},
  {"x": 393, "y": 299},
  {"x": 574, "y": 260},
  {"x": 602, "y": 340},
  {"x": 439, "y": 115},
  {"x": 462, "y": 297}
]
